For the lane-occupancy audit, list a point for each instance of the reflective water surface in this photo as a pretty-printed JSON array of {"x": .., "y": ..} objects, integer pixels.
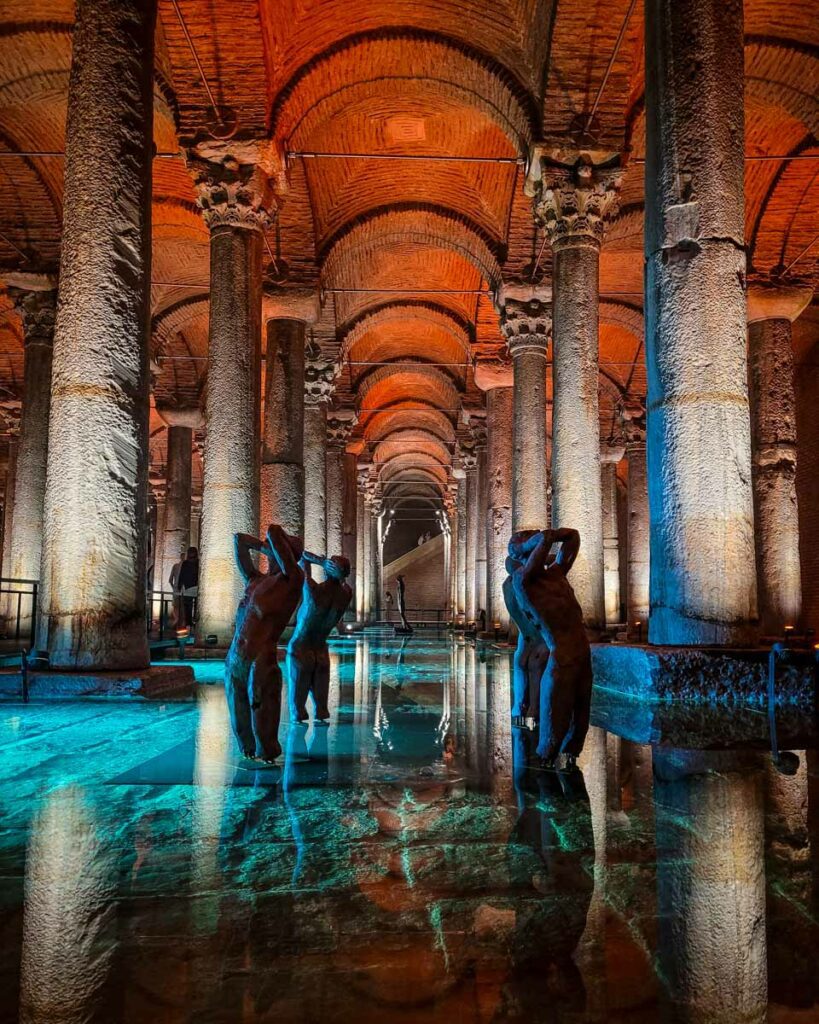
[{"x": 404, "y": 864}]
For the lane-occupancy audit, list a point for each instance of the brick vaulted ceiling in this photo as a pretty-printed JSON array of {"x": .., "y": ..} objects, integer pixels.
[{"x": 402, "y": 128}]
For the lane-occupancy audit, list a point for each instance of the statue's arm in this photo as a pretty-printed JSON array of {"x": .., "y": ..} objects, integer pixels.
[
  {"x": 243, "y": 544},
  {"x": 279, "y": 547},
  {"x": 536, "y": 562},
  {"x": 569, "y": 546}
]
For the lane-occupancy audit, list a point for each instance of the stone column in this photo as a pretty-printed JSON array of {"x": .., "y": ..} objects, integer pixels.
[
  {"x": 176, "y": 537},
  {"x": 362, "y": 533},
  {"x": 376, "y": 512},
  {"x": 574, "y": 205},
  {"x": 526, "y": 322},
  {"x": 710, "y": 830},
  {"x": 339, "y": 427},
  {"x": 469, "y": 462},
  {"x": 349, "y": 532},
  {"x": 462, "y": 513},
  {"x": 233, "y": 198},
  {"x": 92, "y": 597},
  {"x": 610, "y": 455},
  {"x": 773, "y": 437},
  {"x": 8, "y": 493},
  {"x": 478, "y": 428},
  {"x": 703, "y": 579},
  {"x": 639, "y": 547},
  {"x": 319, "y": 382},
  {"x": 496, "y": 379},
  {"x": 282, "y": 472},
  {"x": 37, "y": 311}
]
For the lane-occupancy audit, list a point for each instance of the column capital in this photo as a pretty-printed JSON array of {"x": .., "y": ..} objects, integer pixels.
[
  {"x": 613, "y": 450},
  {"x": 526, "y": 324},
  {"x": 191, "y": 417},
  {"x": 574, "y": 203},
  {"x": 37, "y": 309},
  {"x": 233, "y": 194},
  {"x": 469, "y": 459},
  {"x": 10, "y": 414},
  {"x": 632, "y": 420},
  {"x": 340, "y": 424},
  {"x": 768, "y": 300},
  {"x": 297, "y": 302},
  {"x": 320, "y": 376}
]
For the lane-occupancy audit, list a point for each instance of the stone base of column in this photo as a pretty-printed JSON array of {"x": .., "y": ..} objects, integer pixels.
[{"x": 164, "y": 682}]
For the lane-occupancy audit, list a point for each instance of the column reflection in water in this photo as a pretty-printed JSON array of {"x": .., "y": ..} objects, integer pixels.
[
  {"x": 499, "y": 727},
  {"x": 591, "y": 956},
  {"x": 68, "y": 913},
  {"x": 362, "y": 681},
  {"x": 711, "y": 885},
  {"x": 470, "y": 713}
]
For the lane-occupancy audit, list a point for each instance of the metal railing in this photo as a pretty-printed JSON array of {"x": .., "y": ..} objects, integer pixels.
[
  {"x": 18, "y": 606},
  {"x": 163, "y": 614}
]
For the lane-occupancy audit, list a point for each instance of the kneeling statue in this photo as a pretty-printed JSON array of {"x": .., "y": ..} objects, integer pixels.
[
  {"x": 253, "y": 679},
  {"x": 546, "y": 597},
  {"x": 308, "y": 658}
]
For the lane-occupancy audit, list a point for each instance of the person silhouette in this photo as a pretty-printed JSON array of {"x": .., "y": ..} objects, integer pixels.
[{"x": 308, "y": 658}]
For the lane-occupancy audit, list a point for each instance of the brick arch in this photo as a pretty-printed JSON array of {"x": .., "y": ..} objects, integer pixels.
[
  {"x": 410, "y": 417},
  {"x": 386, "y": 387}
]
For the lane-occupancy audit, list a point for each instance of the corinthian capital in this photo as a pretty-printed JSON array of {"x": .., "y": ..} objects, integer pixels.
[
  {"x": 632, "y": 416},
  {"x": 233, "y": 194},
  {"x": 340, "y": 425},
  {"x": 574, "y": 204},
  {"x": 38, "y": 312},
  {"x": 320, "y": 375},
  {"x": 526, "y": 324}
]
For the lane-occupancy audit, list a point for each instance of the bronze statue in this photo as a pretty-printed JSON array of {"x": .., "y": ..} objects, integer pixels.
[
  {"x": 531, "y": 653},
  {"x": 308, "y": 659},
  {"x": 402, "y": 605},
  {"x": 253, "y": 679},
  {"x": 545, "y": 597}
]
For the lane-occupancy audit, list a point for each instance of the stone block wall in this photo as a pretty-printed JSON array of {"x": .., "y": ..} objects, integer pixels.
[{"x": 423, "y": 569}]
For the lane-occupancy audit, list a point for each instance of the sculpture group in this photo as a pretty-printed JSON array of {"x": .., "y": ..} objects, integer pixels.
[
  {"x": 253, "y": 679},
  {"x": 552, "y": 664}
]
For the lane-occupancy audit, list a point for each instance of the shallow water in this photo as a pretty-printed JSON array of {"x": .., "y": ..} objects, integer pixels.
[{"x": 403, "y": 864}]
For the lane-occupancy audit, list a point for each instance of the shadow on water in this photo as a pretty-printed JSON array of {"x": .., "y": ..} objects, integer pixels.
[{"x": 406, "y": 863}]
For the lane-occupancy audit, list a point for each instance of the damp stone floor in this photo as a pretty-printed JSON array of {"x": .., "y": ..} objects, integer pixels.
[{"x": 405, "y": 864}]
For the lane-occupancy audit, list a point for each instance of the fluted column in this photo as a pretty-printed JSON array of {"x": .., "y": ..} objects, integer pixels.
[
  {"x": 574, "y": 204},
  {"x": 339, "y": 427},
  {"x": 771, "y": 311},
  {"x": 526, "y": 322},
  {"x": 495, "y": 378},
  {"x": 609, "y": 456},
  {"x": 92, "y": 596},
  {"x": 703, "y": 579},
  {"x": 176, "y": 536},
  {"x": 319, "y": 382},
  {"x": 233, "y": 198},
  {"x": 37, "y": 311}
]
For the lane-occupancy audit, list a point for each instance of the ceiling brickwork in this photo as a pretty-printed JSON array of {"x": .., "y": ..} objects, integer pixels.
[{"x": 400, "y": 134}]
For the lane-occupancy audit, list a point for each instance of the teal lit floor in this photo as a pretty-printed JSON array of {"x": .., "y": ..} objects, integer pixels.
[{"x": 403, "y": 864}]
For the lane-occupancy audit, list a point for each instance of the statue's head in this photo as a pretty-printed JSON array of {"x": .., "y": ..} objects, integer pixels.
[{"x": 337, "y": 567}]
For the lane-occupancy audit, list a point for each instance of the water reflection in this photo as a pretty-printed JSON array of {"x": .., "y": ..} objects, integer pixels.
[{"x": 407, "y": 863}]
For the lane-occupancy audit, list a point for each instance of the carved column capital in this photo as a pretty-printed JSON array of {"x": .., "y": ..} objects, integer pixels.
[
  {"x": 493, "y": 371},
  {"x": 476, "y": 422},
  {"x": 10, "y": 414},
  {"x": 320, "y": 376},
  {"x": 574, "y": 204},
  {"x": 526, "y": 325},
  {"x": 232, "y": 194},
  {"x": 340, "y": 424},
  {"x": 38, "y": 313},
  {"x": 632, "y": 418}
]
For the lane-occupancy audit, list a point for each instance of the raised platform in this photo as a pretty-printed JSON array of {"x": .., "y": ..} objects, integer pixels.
[
  {"x": 711, "y": 675},
  {"x": 159, "y": 682}
]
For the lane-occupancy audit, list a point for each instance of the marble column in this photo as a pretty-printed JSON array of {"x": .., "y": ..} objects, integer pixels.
[
  {"x": 478, "y": 428},
  {"x": 469, "y": 462},
  {"x": 462, "y": 513},
  {"x": 92, "y": 596},
  {"x": 574, "y": 204},
  {"x": 376, "y": 513},
  {"x": 496, "y": 380},
  {"x": 340, "y": 423},
  {"x": 526, "y": 322},
  {"x": 282, "y": 472},
  {"x": 703, "y": 579},
  {"x": 710, "y": 829},
  {"x": 319, "y": 383},
  {"x": 8, "y": 493},
  {"x": 349, "y": 530},
  {"x": 771, "y": 312},
  {"x": 37, "y": 310},
  {"x": 233, "y": 198},
  {"x": 639, "y": 547},
  {"x": 360, "y": 553},
  {"x": 609, "y": 457},
  {"x": 176, "y": 536}
]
